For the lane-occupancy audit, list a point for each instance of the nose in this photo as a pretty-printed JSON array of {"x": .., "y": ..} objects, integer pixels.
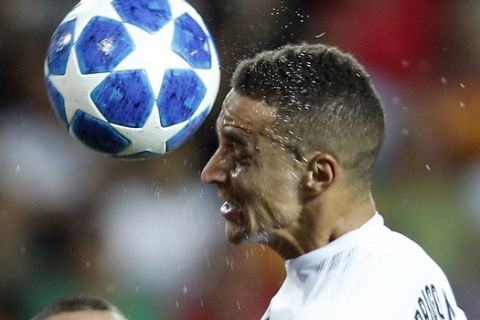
[{"x": 216, "y": 169}]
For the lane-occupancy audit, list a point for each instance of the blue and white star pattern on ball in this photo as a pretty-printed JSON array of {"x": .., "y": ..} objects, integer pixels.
[
  {"x": 102, "y": 45},
  {"x": 125, "y": 98},
  {"x": 148, "y": 15},
  {"x": 132, "y": 78}
]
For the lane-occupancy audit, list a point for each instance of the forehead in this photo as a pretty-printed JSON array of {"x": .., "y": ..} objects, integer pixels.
[{"x": 245, "y": 113}]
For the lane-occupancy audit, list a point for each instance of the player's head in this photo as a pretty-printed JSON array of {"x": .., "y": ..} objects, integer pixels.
[
  {"x": 324, "y": 99},
  {"x": 80, "y": 308},
  {"x": 296, "y": 120}
]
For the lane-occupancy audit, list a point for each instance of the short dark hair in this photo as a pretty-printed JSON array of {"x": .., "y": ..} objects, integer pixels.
[
  {"x": 324, "y": 98},
  {"x": 73, "y": 304}
]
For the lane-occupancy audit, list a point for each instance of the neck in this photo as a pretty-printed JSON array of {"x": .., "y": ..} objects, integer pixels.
[{"x": 321, "y": 222}]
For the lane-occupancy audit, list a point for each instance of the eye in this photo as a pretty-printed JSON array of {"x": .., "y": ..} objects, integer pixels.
[{"x": 241, "y": 156}]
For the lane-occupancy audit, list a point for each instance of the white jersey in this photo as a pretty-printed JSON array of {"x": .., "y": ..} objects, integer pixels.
[{"x": 371, "y": 273}]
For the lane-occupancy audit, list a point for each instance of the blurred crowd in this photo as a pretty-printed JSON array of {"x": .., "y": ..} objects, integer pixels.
[{"x": 148, "y": 236}]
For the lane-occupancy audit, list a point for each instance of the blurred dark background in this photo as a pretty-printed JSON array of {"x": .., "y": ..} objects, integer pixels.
[{"x": 148, "y": 236}]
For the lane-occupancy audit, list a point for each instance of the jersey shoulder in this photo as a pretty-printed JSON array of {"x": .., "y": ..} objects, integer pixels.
[{"x": 403, "y": 251}]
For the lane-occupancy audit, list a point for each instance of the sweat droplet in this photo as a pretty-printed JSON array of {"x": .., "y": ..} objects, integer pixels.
[{"x": 396, "y": 101}]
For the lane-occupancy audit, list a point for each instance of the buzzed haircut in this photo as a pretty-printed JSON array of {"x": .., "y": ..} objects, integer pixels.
[
  {"x": 74, "y": 304},
  {"x": 325, "y": 102}
]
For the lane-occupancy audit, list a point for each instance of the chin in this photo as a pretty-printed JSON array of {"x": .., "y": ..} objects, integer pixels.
[
  {"x": 236, "y": 233},
  {"x": 240, "y": 233}
]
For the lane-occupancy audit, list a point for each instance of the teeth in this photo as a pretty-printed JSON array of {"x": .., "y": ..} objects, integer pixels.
[
  {"x": 226, "y": 207},
  {"x": 231, "y": 212}
]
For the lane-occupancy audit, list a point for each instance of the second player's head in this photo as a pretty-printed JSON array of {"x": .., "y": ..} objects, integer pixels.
[{"x": 80, "y": 308}]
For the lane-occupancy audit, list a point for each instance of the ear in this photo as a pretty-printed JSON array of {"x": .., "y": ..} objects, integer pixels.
[{"x": 322, "y": 170}]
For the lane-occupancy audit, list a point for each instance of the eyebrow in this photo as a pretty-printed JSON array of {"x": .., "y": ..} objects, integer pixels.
[{"x": 233, "y": 134}]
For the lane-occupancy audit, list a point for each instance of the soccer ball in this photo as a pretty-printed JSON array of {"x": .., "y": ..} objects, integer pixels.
[{"x": 132, "y": 78}]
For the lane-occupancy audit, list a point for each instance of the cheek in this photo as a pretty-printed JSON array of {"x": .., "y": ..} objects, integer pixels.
[
  {"x": 243, "y": 181},
  {"x": 284, "y": 191},
  {"x": 236, "y": 173},
  {"x": 250, "y": 185}
]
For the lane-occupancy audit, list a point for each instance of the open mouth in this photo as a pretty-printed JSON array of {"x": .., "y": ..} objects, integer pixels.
[{"x": 232, "y": 212}]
